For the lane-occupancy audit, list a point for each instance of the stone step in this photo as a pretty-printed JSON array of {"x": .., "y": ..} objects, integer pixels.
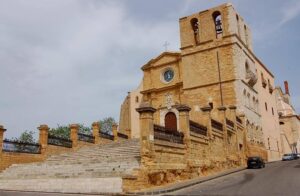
[
  {"x": 71, "y": 174},
  {"x": 70, "y": 170},
  {"x": 62, "y": 173},
  {"x": 66, "y": 166},
  {"x": 103, "y": 160},
  {"x": 76, "y": 185},
  {"x": 83, "y": 153}
]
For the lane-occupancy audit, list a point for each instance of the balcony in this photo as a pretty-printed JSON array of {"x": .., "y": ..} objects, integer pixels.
[
  {"x": 271, "y": 88},
  {"x": 264, "y": 82},
  {"x": 251, "y": 78}
]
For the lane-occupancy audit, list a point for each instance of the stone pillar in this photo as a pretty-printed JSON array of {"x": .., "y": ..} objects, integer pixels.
[
  {"x": 222, "y": 118},
  {"x": 243, "y": 118},
  {"x": 184, "y": 122},
  {"x": 128, "y": 132},
  {"x": 96, "y": 130},
  {"x": 115, "y": 131},
  {"x": 232, "y": 115},
  {"x": 74, "y": 134},
  {"x": 2, "y": 130},
  {"x": 207, "y": 120},
  {"x": 43, "y": 137},
  {"x": 146, "y": 132}
]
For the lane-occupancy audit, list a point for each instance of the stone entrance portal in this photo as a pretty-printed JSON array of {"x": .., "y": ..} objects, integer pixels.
[{"x": 171, "y": 121}]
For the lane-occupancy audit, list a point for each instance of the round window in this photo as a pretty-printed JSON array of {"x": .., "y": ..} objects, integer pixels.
[{"x": 168, "y": 75}]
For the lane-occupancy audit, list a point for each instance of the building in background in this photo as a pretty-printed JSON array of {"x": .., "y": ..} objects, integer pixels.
[{"x": 289, "y": 121}]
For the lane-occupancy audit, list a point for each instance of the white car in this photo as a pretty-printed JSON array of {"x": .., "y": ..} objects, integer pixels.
[{"x": 287, "y": 157}]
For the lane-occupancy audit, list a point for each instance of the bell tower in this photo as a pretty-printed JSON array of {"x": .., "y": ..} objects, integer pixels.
[{"x": 211, "y": 43}]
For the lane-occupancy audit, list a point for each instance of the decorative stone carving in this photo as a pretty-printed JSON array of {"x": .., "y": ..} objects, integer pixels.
[
  {"x": 169, "y": 100},
  {"x": 251, "y": 78}
]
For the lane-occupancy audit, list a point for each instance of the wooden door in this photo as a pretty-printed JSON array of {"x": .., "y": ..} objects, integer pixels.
[{"x": 171, "y": 121}]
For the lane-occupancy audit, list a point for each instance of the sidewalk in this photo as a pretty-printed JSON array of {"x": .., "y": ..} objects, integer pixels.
[{"x": 184, "y": 184}]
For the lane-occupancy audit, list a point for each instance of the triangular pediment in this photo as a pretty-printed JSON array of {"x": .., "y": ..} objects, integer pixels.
[{"x": 163, "y": 58}]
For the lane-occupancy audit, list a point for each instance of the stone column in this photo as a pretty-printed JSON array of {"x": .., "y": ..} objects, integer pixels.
[
  {"x": 222, "y": 118},
  {"x": 2, "y": 130},
  {"x": 74, "y": 134},
  {"x": 96, "y": 129},
  {"x": 232, "y": 115},
  {"x": 43, "y": 137},
  {"x": 184, "y": 122},
  {"x": 243, "y": 118},
  {"x": 146, "y": 132},
  {"x": 207, "y": 120},
  {"x": 115, "y": 131}
]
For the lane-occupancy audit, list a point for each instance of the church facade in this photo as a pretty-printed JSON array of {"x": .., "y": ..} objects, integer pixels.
[{"x": 215, "y": 68}]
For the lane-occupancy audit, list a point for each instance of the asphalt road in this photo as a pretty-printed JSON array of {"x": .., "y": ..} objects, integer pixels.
[{"x": 278, "y": 178}]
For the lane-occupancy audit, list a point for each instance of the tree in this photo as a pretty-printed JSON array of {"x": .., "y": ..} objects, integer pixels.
[
  {"x": 26, "y": 137},
  {"x": 84, "y": 129},
  {"x": 64, "y": 131},
  {"x": 106, "y": 124}
]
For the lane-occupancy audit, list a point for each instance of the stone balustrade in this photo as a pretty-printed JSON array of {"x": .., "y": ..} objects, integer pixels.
[{"x": 12, "y": 152}]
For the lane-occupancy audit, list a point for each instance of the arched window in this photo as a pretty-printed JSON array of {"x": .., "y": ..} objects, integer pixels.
[
  {"x": 171, "y": 121},
  {"x": 195, "y": 27},
  {"x": 247, "y": 69},
  {"x": 248, "y": 100},
  {"x": 218, "y": 22},
  {"x": 136, "y": 99},
  {"x": 246, "y": 34},
  {"x": 245, "y": 97},
  {"x": 247, "y": 66},
  {"x": 238, "y": 24}
]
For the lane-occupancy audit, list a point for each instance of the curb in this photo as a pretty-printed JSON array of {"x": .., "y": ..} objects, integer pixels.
[{"x": 185, "y": 184}]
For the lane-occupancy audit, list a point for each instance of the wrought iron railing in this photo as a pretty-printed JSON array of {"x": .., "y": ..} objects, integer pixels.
[
  {"x": 22, "y": 147},
  {"x": 198, "y": 128},
  {"x": 86, "y": 137},
  {"x": 216, "y": 125},
  {"x": 229, "y": 123},
  {"x": 174, "y": 136},
  {"x": 122, "y": 135},
  {"x": 239, "y": 120},
  {"x": 106, "y": 135},
  {"x": 59, "y": 141}
]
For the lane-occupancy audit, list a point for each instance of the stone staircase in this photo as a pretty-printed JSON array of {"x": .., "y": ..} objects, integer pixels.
[{"x": 97, "y": 169}]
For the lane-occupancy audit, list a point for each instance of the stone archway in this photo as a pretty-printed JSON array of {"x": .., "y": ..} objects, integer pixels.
[{"x": 171, "y": 121}]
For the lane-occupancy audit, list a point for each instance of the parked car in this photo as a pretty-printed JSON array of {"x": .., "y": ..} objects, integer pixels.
[
  {"x": 255, "y": 162},
  {"x": 298, "y": 155},
  {"x": 288, "y": 157},
  {"x": 295, "y": 156}
]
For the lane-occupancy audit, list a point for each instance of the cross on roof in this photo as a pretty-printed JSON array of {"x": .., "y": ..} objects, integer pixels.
[{"x": 166, "y": 44}]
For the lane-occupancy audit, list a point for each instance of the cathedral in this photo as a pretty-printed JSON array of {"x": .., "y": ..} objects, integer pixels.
[{"x": 215, "y": 67}]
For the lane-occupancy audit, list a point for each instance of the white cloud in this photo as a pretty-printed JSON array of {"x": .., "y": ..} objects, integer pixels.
[
  {"x": 290, "y": 12},
  {"x": 70, "y": 61}
]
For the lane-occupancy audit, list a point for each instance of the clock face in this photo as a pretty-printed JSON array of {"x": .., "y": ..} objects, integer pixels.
[{"x": 168, "y": 75}]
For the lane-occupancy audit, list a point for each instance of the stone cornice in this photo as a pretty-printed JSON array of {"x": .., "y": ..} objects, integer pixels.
[
  {"x": 145, "y": 107},
  {"x": 183, "y": 108},
  {"x": 2, "y": 128},
  {"x": 206, "y": 109},
  {"x": 232, "y": 107},
  {"x": 222, "y": 108},
  {"x": 179, "y": 84}
]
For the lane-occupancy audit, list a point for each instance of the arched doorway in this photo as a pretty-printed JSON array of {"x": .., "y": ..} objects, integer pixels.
[{"x": 171, "y": 121}]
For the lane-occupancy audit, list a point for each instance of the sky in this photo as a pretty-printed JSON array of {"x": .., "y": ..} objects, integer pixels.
[{"x": 73, "y": 61}]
